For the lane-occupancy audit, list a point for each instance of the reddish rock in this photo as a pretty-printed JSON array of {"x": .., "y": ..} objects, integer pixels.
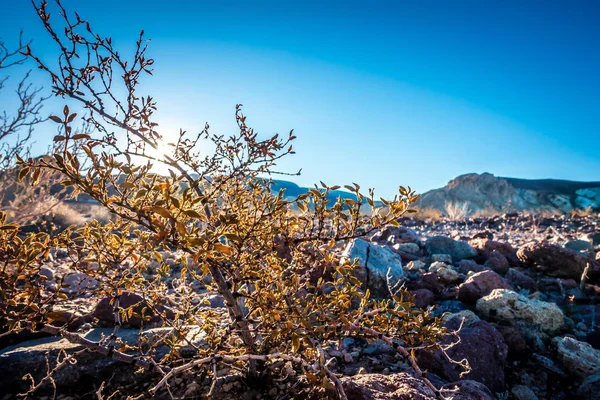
[
  {"x": 481, "y": 344},
  {"x": 466, "y": 266},
  {"x": 479, "y": 285},
  {"x": 497, "y": 262},
  {"x": 104, "y": 311},
  {"x": 517, "y": 346},
  {"x": 520, "y": 280},
  {"x": 485, "y": 247},
  {"x": 429, "y": 281},
  {"x": 558, "y": 261},
  {"x": 449, "y": 293},
  {"x": 423, "y": 298}
]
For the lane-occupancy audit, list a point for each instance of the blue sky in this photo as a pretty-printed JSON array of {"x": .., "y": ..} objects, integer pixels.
[{"x": 378, "y": 93}]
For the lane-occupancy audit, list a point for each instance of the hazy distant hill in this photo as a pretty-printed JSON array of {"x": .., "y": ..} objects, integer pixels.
[
  {"x": 292, "y": 190},
  {"x": 488, "y": 192}
]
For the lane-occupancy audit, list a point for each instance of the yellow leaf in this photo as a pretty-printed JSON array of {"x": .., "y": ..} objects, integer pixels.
[
  {"x": 163, "y": 212},
  {"x": 228, "y": 250},
  {"x": 295, "y": 342}
]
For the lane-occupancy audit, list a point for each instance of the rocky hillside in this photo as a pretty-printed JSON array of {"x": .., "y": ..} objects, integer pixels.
[{"x": 485, "y": 192}]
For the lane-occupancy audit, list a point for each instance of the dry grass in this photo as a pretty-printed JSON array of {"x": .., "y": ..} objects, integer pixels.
[
  {"x": 427, "y": 214},
  {"x": 456, "y": 211},
  {"x": 487, "y": 212},
  {"x": 587, "y": 212}
]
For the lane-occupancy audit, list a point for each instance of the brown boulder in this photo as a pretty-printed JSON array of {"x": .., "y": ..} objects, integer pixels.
[
  {"x": 485, "y": 247},
  {"x": 520, "y": 280},
  {"x": 479, "y": 285},
  {"x": 484, "y": 348},
  {"x": 466, "y": 266},
  {"x": 497, "y": 262},
  {"x": 517, "y": 346},
  {"x": 105, "y": 314},
  {"x": 558, "y": 261},
  {"x": 429, "y": 281},
  {"x": 423, "y": 298}
]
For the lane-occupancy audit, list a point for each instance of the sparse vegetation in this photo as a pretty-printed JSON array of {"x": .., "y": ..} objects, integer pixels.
[{"x": 456, "y": 211}]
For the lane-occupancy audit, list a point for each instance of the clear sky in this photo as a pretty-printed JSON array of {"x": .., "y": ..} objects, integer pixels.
[{"x": 378, "y": 93}]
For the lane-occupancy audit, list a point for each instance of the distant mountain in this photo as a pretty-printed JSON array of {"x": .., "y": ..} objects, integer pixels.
[
  {"x": 292, "y": 191},
  {"x": 486, "y": 192}
]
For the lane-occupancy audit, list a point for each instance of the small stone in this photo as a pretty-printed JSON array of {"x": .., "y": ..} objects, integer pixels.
[
  {"x": 348, "y": 357},
  {"x": 410, "y": 248},
  {"x": 521, "y": 392},
  {"x": 361, "y": 371},
  {"x": 414, "y": 266},
  {"x": 47, "y": 273},
  {"x": 444, "y": 258}
]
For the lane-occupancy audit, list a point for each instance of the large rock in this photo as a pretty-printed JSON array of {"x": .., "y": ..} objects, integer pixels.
[
  {"x": 558, "y": 261},
  {"x": 479, "y": 285},
  {"x": 402, "y": 386},
  {"x": 466, "y": 390},
  {"x": 457, "y": 249},
  {"x": 578, "y": 358},
  {"x": 376, "y": 262},
  {"x": 91, "y": 368},
  {"x": 485, "y": 247},
  {"x": 497, "y": 262},
  {"x": 590, "y": 388},
  {"x": 581, "y": 245},
  {"x": 508, "y": 306},
  {"x": 423, "y": 298},
  {"x": 396, "y": 234},
  {"x": 520, "y": 280},
  {"x": 466, "y": 266},
  {"x": 481, "y": 345},
  {"x": 105, "y": 314},
  {"x": 517, "y": 346}
]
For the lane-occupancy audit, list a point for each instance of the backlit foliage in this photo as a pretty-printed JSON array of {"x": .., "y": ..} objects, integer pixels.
[{"x": 273, "y": 260}]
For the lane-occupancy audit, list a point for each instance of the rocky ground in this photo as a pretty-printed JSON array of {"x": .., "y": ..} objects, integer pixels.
[{"x": 530, "y": 325}]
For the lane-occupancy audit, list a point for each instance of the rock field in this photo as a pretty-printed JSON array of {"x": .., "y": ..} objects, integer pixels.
[{"x": 530, "y": 327}]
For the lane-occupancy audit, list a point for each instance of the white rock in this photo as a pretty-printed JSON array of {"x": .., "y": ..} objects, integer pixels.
[
  {"x": 446, "y": 273},
  {"x": 414, "y": 266},
  {"x": 377, "y": 262},
  {"x": 410, "y": 248},
  {"x": 512, "y": 307}
]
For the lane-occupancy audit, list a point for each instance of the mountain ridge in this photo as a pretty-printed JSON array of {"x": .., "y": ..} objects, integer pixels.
[{"x": 486, "y": 192}]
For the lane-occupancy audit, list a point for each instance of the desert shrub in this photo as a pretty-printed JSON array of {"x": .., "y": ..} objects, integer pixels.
[
  {"x": 456, "y": 210},
  {"x": 271, "y": 258}
]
